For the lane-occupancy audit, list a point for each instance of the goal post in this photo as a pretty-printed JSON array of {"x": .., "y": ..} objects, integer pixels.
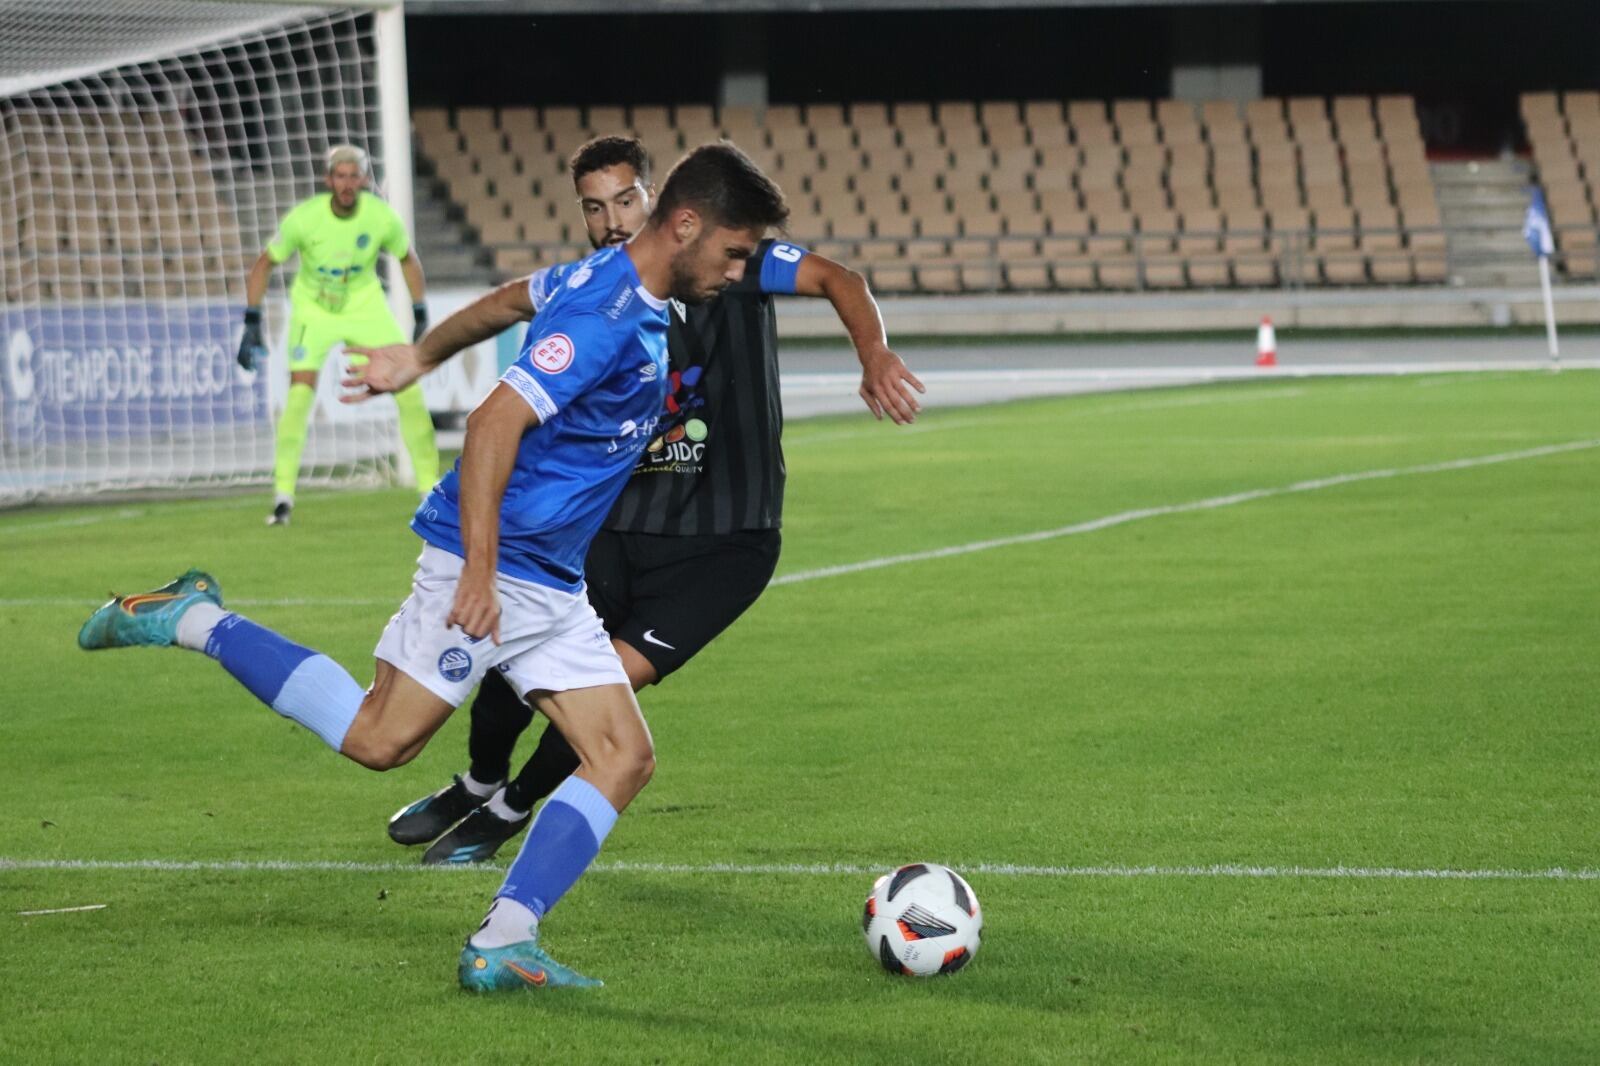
[{"x": 148, "y": 149}]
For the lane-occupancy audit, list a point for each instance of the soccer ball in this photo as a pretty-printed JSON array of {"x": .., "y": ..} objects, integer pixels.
[{"x": 922, "y": 920}]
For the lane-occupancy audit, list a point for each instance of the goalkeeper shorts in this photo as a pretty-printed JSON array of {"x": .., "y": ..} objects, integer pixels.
[{"x": 314, "y": 331}]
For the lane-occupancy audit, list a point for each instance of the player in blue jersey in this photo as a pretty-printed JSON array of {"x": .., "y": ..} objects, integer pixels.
[
  {"x": 499, "y": 584},
  {"x": 694, "y": 538}
]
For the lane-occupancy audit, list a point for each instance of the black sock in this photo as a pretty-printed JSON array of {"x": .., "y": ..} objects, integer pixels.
[
  {"x": 553, "y": 762},
  {"x": 498, "y": 719}
]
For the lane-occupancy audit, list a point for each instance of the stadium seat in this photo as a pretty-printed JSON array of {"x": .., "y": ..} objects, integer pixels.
[
  {"x": 865, "y": 115},
  {"x": 1178, "y": 122},
  {"x": 1103, "y": 201},
  {"x": 832, "y": 140},
  {"x": 913, "y": 115},
  {"x": 1264, "y": 122},
  {"x": 773, "y": 116},
  {"x": 1308, "y": 118},
  {"x": 824, "y": 116},
  {"x": 1007, "y": 137},
  {"x": 1042, "y": 113},
  {"x": 1139, "y": 134}
]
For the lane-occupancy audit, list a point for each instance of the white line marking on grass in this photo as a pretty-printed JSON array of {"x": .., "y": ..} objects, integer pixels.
[
  {"x": 1093, "y": 525},
  {"x": 1210, "y": 504},
  {"x": 891, "y": 434},
  {"x": 63, "y": 910},
  {"x": 64, "y": 523},
  {"x": 221, "y": 503},
  {"x": 999, "y": 869}
]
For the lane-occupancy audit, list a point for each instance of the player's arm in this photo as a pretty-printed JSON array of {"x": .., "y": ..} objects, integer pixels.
[
  {"x": 487, "y": 458},
  {"x": 417, "y": 286},
  {"x": 393, "y": 367},
  {"x": 255, "y": 286},
  {"x": 252, "y": 344},
  {"x": 886, "y": 381}
]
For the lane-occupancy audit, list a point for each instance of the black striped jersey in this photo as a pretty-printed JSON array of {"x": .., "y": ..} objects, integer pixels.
[{"x": 715, "y": 464}]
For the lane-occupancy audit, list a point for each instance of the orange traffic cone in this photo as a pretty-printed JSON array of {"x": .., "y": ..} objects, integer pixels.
[{"x": 1266, "y": 343}]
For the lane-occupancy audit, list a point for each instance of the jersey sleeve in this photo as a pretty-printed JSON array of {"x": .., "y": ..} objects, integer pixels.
[
  {"x": 544, "y": 282},
  {"x": 287, "y": 239},
  {"x": 562, "y": 358},
  {"x": 395, "y": 239},
  {"x": 776, "y": 266}
]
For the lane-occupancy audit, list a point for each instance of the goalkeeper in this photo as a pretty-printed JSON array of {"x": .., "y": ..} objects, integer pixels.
[{"x": 336, "y": 299}]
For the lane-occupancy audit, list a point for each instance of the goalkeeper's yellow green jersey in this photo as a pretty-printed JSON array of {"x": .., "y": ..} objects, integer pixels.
[{"x": 337, "y": 254}]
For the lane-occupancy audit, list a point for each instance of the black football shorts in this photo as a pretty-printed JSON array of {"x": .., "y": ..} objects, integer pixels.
[{"x": 668, "y": 596}]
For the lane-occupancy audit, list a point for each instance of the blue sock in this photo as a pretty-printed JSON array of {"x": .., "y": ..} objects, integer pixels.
[
  {"x": 561, "y": 844},
  {"x": 296, "y": 682}
]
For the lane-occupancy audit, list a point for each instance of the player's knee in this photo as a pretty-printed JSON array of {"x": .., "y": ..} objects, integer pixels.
[
  {"x": 636, "y": 762},
  {"x": 375, "y": 752},
  {"x": 623, "y": 762}
]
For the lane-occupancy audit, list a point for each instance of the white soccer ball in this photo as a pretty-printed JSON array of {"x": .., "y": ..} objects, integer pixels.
[{"x": 922, "y": 919}]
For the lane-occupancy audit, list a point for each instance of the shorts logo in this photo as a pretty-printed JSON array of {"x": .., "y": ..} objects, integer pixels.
[
  {"x": 455, "y": 664},
  {"x": 553, "y": 354}
]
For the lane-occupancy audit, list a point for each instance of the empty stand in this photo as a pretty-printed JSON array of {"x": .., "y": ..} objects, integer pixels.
[
  {"x": 1034, "y": 195},
  {"x": 1564, "y": 135}
]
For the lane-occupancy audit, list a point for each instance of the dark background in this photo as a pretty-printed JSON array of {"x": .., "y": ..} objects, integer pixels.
[{"x": 1465, "y": 61}]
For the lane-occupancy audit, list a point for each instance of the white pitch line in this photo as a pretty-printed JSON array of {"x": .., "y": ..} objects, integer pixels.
[
  {"x": 998, "y": 869},
  {"x": 1210, "y": 504},
  {"x": 220, "y": 503},
  {"x": 62, "y": 910},
  {"x": 1091, "y": 526}
]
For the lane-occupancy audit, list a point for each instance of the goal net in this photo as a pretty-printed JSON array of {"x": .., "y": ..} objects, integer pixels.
[{"x": 148, "y": 149}]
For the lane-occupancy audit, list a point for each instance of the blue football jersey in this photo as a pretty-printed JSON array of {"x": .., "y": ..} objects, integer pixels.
[
  {"x": 546, "y": 282},
  {"x": 593, "y": 367}
]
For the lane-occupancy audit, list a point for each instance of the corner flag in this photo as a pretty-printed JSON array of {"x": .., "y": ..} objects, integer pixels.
[
  {"x": 1536, "y": 231},
  {"x": 1536, "y": 226}
]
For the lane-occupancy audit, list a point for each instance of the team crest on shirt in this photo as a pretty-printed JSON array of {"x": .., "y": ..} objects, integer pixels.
[
  {"x": 553, "y": 354},
  {"x": 363, "y": 240},
  {"x": 580, "y": 277}
]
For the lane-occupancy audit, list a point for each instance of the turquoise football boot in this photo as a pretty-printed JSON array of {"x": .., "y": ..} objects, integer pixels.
[
  {"x": 519, "y": 965},
  {"x": 150, "y": 618}
]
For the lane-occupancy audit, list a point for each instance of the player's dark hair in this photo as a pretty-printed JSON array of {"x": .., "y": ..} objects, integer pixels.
[
  {"x": 724, "y": 186},
  {"x": 613, "y": 151}
]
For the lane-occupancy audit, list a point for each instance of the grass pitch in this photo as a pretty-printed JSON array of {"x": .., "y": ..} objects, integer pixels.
[{"x": 1255, "y": 781}]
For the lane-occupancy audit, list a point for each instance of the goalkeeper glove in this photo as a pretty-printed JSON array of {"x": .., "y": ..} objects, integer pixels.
[
  {"x": 252, "y": 348},
  {"x": 419, "y": 312}
]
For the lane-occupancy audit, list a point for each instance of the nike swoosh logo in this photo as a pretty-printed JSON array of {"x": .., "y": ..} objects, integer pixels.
[
  {"x": 133, "y": 603},
  {"x": 537, "y": 977},
  {"x": 650, "y": 638}
]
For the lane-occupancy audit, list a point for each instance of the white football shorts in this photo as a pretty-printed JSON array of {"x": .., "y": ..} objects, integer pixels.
[{"x": 549, "y": 639}]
